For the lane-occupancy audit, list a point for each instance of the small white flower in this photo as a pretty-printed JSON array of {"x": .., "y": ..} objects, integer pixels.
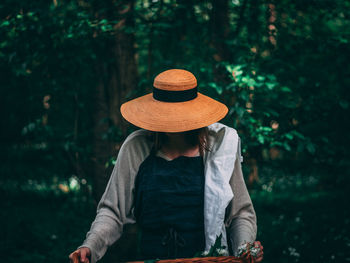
[
  {"x": 222, "y": 252},
  {"x": 293, "y": 252},
  {"x": 74, "y": 183},
  {"x": 254, "y": 251},
  {"x": 243, "y": 246},
  {"x": 242, "y": 249}
]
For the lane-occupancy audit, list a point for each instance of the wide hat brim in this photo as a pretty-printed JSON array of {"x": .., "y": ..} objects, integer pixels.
[{"x": 150, "y": 114}]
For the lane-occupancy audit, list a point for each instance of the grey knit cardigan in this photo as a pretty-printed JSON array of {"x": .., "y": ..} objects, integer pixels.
[{"x": 228, "y": 209}]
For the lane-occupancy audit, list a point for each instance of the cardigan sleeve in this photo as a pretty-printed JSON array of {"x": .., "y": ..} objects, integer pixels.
[
  {"x": 115, "y": 207},
  {"x": 240, "y": 219}
]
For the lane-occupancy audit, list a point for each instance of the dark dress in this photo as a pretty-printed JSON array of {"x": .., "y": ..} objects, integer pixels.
[{"x": 169, "y": 207}]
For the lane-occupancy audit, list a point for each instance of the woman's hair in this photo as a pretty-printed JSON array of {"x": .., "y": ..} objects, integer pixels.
[{"x": 198, "y": 137}]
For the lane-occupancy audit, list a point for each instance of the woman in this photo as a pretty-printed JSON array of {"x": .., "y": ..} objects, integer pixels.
[{"x": 179, "y": 177}]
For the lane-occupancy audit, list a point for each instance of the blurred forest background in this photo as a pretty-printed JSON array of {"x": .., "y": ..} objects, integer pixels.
[{"x": 282, "y": 68}]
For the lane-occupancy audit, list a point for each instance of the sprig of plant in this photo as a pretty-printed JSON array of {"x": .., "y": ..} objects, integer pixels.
[
  {"x": 216, "y": 250},
  {"x": 248, "y": 248}
]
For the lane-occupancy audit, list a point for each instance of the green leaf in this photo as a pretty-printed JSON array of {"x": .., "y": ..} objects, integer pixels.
[
  {"x": 297, "y": 134},
  {"x": 251, "y": 82},
  {"x": 310, "y": 147},
  {"x": 270, "y": 85},
  {"x": 245, "y": 80},
  {"x": 261, "y": 139},
  {"x": 104, "y": 21},
  {"x": 261, "y": 78},
  {"x": 287, "y": 146},
  {"x": 271, "y": 77},
  {"x": 289, "y": 136},
  {"x": 229, "y": 68},
  {"x": 217, "y": 88},
  {"x": 198, "y": 254},
  {"x": 5, "y": 23},
  {"x": 217, "y": 245},
  {"x": 286, "y": 89}
]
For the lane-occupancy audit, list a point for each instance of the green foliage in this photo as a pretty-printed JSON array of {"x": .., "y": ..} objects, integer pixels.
[
  {"x": 283, "y": 75},
  {"x": 52, "y": 49},
  {"x": 261, "y": 108},
  {"x": 294, "y": 225}
]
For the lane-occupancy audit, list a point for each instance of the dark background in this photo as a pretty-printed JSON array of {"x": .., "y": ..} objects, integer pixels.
[{"x": 282, "y": 68}]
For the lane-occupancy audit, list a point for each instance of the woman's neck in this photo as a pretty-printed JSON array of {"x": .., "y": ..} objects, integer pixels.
[{"x": 177, "y": 146}]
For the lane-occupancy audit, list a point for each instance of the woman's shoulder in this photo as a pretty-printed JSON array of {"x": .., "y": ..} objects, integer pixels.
[
  {"x": 138, "y": 142},
  {"x": 218, "y": 127},
  {"x": 218, "y": 131},
  {"x": 139, "y": 136},
  {"x": 222, "y": 139}
]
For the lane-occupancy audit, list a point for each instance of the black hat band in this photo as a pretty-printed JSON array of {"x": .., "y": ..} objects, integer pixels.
[{"x": 175, "y": 95}]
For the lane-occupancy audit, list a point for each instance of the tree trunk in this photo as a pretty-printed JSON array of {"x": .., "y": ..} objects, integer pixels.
[
  {"x": 117, "y": 77},
  {"x": 220, "y": 29},
  {"x": 102, "y": 147}
]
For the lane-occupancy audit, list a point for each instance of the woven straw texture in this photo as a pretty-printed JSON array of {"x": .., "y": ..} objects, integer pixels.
[
  {"x": 175, "y": 79},
  {"x": 229, "y": 259},
  {"x": 154, "y": 115}
]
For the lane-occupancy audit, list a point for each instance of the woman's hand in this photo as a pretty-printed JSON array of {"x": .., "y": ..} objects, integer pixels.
[
  {"x": 259, "y": 257},
  {"x": 81, "y": 255}
]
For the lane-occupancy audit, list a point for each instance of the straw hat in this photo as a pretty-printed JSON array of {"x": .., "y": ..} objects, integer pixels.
[{"x": 175, "y": 105}]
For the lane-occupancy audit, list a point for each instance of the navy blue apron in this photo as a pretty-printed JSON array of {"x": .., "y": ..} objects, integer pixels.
[{"x": 169, "y": 207}]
